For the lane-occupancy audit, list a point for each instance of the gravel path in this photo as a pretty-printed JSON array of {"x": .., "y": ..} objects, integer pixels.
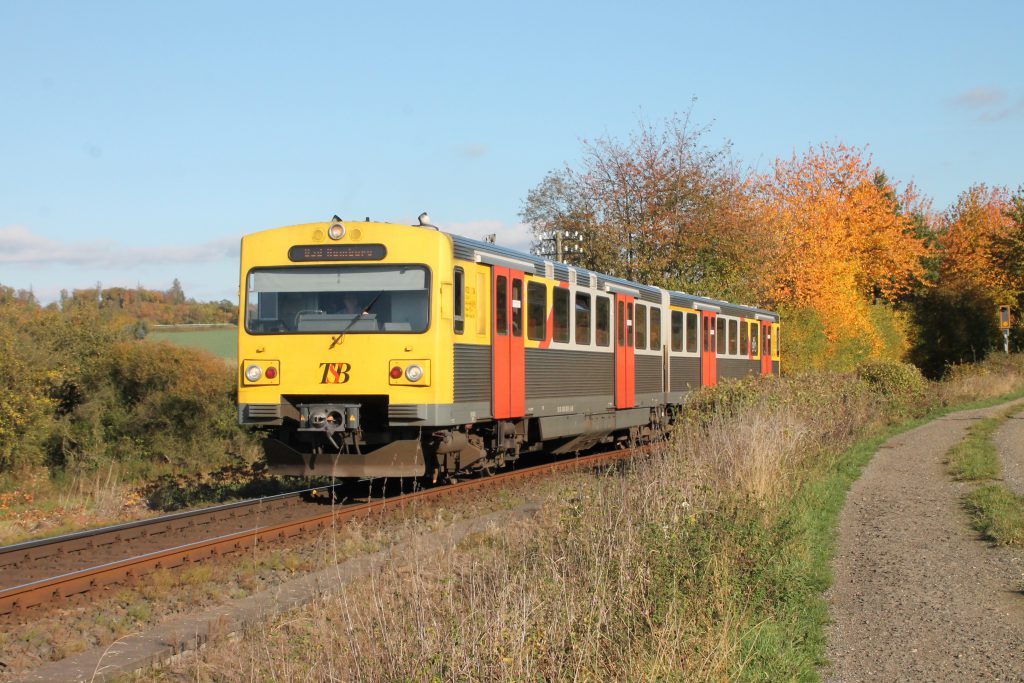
[
  {"x": 1010, "y": 442},
  {"x": 917, "y": 597}
]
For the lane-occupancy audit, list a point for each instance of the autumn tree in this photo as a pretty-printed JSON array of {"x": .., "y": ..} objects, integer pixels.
[
  {"x": 662, "y": 207},
  {"x": 981, "y": 251},
  {"x": 841, "y": 238}
]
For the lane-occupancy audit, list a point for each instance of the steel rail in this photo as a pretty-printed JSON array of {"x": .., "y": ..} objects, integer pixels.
[
  {"x": 12, "y": 555},
  {"x": 17, "y": 599}
]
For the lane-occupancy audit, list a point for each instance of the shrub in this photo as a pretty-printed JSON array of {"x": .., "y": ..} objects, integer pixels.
[{"x": 901, "y": 384}]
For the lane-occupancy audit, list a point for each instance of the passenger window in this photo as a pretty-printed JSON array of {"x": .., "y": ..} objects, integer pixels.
[
  {"x": 707, "y": 335},
  {"x": 733, "y": 331},
  {"x": 655, "y": 329},
  {"x": 629, "y": 324},
  {"x": 560, "y": 315},
  {"x": 677, "y": 331},
  {"x": 720, "y": 331},
  {"x": 582, "y": 318},
  {"x": 501, "y": 306},
  {"x": 641, "y": 326},
  {"x": 744, "y": 340},
  {"x": 691, "y": 334},
  {"x": 460, "y": 300},
  {"x": 517, "y": 307},
  {"x": 620, "y": 324},
  {"x": 604, "y": 314},
  {"x": 537, "y": 315},
  {"x": 754, "y": 338}
]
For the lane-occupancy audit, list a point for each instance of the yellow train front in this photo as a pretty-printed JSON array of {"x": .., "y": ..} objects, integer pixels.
[
  {"x": 334, "y": 350},
  {"x": 382, "y": 350}
]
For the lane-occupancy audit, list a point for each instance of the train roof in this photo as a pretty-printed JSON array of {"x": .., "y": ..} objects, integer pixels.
[{"x": 468, "y": 249}]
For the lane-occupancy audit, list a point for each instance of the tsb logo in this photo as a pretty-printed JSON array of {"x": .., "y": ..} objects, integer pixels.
[{"x": 335, "y": 373}]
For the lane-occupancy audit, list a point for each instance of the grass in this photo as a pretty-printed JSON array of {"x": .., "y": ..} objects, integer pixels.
[
  {"x": 975, "y": 458},
  {"x": 997, "y": 513},
  {"x": 707, "y": 561},
  {"x": 220, "y": 341}
]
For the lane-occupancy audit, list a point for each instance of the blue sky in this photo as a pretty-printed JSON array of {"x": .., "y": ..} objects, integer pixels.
[{"x": 140, "y": 140}]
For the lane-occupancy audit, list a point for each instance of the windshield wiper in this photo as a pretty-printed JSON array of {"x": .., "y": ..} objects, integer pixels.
[{"x": 356, "y": 318}]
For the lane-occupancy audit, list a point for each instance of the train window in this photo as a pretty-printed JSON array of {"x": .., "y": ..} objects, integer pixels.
[
  {"x": 583, "y": 318},
  {"x": 707, "y": 334},
  {"x": 356, "y": 299},
  {"x": 777, "y": 349},
  {"x": 733, "y": 333},
  {"x": 753, "y": 338},
  {"x": 744, "y": 339},
  {"x": 641, "y": 326},
  {"x": 691, "y": 334},
  {"x": 604, "y": 322},
  {"x": 459, "y": 288},
  {"x": 630, "y": 324},
  {"x": 537, "y": 311},
  {"x": 620, "y": 324},
  {"x": 655, "y": 329},
  {"x": 677, "y": 331},
  {"x": 501, "y": 305},
  {"x": 722, "y": 336},
  {"x": 767, "y": 340},
  {"x": 560, "y": 315},
  {"x": 517, "y": 307}
]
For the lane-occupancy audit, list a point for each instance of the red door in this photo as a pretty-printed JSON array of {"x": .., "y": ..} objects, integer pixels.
[
  {"x": 708, "y": 355},
  {"x": 766, "y": 348},
  {"x": 508, "y": 358},
  {"x": 625, "y": 353}
]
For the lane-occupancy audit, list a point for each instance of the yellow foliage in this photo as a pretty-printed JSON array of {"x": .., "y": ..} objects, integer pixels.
[{"x": 837, "y": 239}]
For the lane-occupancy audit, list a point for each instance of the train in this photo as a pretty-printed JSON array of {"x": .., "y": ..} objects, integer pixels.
[{"x": 372, "y": 349}]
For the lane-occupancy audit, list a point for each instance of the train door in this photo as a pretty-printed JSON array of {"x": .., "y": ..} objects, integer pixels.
[
  {"x": 766, "y": 348},
  {"x": 625, "y": 356},
  {"x": 708, "y": 354},
  {"x": 508, "y": 357}
]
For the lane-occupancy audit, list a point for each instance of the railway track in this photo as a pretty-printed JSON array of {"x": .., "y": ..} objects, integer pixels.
[{"x": 50, "y": 571}]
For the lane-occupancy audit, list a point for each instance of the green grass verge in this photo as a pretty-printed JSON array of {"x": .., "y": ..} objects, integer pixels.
[
  {"x": 975, "y": 458},
  {"x": 997, "y": 513},
  {"x": 220, "y": 341},
  {"x": 790, "y": 642}
]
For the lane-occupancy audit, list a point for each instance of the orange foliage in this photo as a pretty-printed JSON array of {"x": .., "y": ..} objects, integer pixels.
[
  {"x": 973, "y": 231},
  {"x": 836, "y": 238}
]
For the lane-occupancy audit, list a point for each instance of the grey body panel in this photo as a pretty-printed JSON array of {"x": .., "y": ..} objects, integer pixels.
[
  {"x": 648, "y": 373},
  {"x": 685, "y": 373},
  {"x": 472, "y": 373},
  {"x": 557, "y": 372},
  {"x": 737, "y": 368}
]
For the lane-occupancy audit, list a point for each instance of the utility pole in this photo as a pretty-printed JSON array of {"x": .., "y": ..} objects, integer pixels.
[{"x": 1004, "y": 325}]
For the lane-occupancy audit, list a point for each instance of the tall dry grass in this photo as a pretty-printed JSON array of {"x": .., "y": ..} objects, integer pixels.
[
  {"x": 692, "y": 564},
  {"x": 666, "y": 569}
]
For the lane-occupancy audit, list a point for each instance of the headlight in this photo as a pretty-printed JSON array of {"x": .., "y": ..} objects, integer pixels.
[
  {"x": 253, "y": 373},
  {"x": 336, "y": 231},
  {"x": 414, "y": 373}
]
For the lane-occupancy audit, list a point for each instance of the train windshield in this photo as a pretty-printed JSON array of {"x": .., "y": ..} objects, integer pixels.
[{"x": 332, "y": 299}]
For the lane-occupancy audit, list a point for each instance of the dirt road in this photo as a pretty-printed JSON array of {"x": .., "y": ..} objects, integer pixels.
[{"x": 917, "y": 596}]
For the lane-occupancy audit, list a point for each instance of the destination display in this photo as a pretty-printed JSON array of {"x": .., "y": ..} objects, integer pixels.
[{"x": 337, "y": 252}]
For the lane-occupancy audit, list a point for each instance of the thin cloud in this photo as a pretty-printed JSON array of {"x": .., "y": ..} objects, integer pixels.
[
  {"x": 980, "y": 97},
  {"x": 472, "y": 151},
  {"x": 515, "y": 236},
  {"x": 990, "y": 104},
  {"x": 21, "y": 246}
]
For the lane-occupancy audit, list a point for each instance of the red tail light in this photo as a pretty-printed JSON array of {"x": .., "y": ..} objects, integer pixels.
[
  {"x": 396, "y": 372},
  {"x": 271, "y": 373}
]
